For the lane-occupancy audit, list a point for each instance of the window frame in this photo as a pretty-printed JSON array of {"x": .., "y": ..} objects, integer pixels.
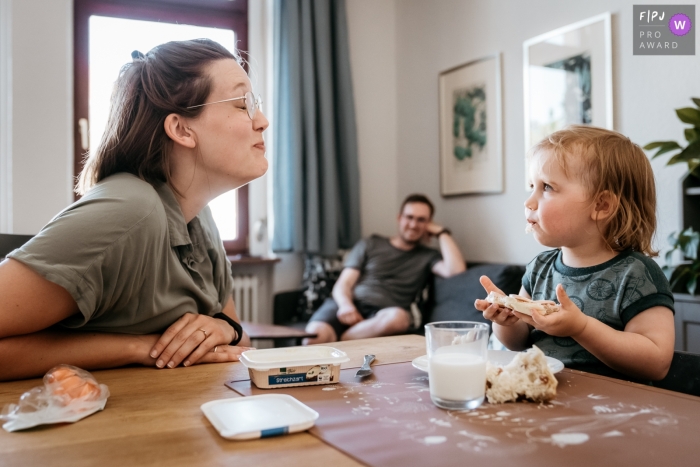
[{"x": 209, "y": 13}]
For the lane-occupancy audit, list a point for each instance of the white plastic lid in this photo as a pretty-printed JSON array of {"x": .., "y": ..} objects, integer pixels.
[
  {"x": 259, "y": 416},
  {"x": 292, "y": 356}
]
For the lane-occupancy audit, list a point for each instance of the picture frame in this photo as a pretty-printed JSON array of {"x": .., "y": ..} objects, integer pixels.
[
  {"x": 567, "y": 78},
  {"x": 471, "y": 143}
]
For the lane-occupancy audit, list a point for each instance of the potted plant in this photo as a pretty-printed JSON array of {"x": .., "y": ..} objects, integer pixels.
[
  {"x": 684, "y": 275},
  {"x": 689, "y": 154}
]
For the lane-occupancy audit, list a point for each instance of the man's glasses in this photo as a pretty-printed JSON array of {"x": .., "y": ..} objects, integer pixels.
[{"x": 252, "y": 103}]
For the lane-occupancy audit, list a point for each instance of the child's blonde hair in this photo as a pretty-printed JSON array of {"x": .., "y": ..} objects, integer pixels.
[{"x": 609, "y": 161}]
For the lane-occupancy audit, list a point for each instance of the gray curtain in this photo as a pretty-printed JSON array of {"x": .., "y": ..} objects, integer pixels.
[{"x": 315, "y": 174}]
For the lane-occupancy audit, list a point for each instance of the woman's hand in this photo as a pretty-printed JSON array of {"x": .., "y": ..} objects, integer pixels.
[
  {"x": 492, "y": 311},
  {"x": 190, "y": 338},
  {"x": 569, "y": 321},
  {"x": 223, "y": 353}
]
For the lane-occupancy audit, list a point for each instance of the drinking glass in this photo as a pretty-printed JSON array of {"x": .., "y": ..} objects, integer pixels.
[{"x": 457, "y": 363}]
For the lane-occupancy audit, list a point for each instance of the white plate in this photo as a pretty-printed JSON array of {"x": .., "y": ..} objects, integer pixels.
[
  {"x": 497, "y": 357},
  {"x": 259, "y": 416}
]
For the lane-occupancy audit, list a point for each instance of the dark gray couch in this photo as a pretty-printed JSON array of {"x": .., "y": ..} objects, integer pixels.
[{"x": 452, "y": 299}]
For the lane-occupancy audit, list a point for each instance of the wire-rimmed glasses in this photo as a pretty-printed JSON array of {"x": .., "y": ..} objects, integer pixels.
[{"x": 252, "y": 103}]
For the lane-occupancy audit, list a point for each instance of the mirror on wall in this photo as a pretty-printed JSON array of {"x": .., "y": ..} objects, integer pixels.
[{"x": 568, "y": 78}]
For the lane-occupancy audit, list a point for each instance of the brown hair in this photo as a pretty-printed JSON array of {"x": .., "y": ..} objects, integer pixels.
[
  {"x": 168, "y": 79},
  {"x": 418, "y": 198},
  {"x": 609, "y": 161}
]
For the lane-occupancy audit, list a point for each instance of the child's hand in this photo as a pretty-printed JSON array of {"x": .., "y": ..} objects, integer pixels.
[
  {"x": 492, "y": 311},
  {"x": 569, "y": 321}
]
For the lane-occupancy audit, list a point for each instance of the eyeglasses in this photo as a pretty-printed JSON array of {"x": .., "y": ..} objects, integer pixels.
[{"x": 252, "y": 103}]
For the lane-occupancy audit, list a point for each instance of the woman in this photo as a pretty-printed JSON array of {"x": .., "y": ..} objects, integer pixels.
[{"x": 135, "y": 271}]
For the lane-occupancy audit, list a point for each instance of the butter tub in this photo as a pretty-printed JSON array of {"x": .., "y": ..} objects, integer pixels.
[{"x": 294, "y": 366}]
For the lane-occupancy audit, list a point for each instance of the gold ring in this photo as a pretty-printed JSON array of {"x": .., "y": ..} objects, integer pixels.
[
  {"x": 205, "y": 332},
  {"x": 216, "y": 348}
]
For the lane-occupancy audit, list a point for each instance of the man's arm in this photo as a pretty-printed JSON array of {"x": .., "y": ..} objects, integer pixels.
[
  {"x": 342, "y": 294},
  {"x": 452, "y": 262}
]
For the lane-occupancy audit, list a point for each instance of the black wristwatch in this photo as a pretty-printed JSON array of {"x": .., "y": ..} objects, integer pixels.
[
  {"x": 237, "y": 327},
  {"x": 445, "y": 230}
]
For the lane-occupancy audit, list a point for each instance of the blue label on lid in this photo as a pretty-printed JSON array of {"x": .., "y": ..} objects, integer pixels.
[{"x": 274, "y": 432}]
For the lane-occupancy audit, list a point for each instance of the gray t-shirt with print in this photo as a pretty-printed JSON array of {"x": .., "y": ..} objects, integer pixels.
[
  {"x": 613, "y": 292},
  {"x": 389, "y": 276}
]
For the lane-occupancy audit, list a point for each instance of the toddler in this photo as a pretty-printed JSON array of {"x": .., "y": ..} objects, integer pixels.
[{"x": 594, "y": 201}]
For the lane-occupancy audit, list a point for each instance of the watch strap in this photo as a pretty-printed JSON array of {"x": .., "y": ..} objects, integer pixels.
[{"x": 235, "y": 325}]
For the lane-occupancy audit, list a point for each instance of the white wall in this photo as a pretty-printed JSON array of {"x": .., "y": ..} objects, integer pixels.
[
  {"x": 6, "y": 116},
  {"x": 433, "y": 36},
  {"x": 397, "y": 50},
  {"x": 42, "y": 111}
]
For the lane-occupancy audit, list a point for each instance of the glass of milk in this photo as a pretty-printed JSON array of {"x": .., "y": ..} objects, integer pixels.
[{"x": 457, "y": 363}]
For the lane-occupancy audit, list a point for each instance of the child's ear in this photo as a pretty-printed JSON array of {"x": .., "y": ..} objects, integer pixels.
[{"x": 605, "y": 206}]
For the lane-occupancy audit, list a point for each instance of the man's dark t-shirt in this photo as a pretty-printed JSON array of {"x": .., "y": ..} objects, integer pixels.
[{"x": 390, "y": 276}]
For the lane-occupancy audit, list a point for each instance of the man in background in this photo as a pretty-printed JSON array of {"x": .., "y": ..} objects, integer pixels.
[{"x": 383, "y": 276}]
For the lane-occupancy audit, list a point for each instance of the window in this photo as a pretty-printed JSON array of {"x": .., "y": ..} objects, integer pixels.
[{"x": 100, "y": 52}]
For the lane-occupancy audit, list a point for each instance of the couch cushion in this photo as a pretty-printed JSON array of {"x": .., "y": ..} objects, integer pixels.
[{"x": 454, "y": 296}]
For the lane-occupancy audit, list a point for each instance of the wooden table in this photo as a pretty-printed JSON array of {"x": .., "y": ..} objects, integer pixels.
[
  {"x": 275, "y": 332},
  {"x": 153, "y": 418}
]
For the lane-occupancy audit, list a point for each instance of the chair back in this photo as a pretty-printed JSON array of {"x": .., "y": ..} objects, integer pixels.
[
  {"x": 684, "y": 375},
  {"x": 9, "y": 242},
  {"x": 286, "y": 306}
]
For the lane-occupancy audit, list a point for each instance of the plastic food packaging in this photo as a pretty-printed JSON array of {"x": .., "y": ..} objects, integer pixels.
[
  {"x": 69, "y": 394},
  {"x": 294, "y": 366}
]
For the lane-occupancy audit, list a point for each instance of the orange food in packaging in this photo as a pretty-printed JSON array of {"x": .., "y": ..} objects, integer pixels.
[{"x": 67, "y": 383}]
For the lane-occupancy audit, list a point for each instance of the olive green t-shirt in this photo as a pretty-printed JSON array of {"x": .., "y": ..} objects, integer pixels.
[{"x": 129, "y": 260}]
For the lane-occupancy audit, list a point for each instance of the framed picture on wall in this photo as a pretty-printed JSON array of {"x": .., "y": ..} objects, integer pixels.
[
  {"x": 568, "y": 78},
  {"x": 471, "y": 149}
]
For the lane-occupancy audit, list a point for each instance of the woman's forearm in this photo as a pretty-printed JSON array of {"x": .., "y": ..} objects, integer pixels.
[{"x": 32, "y": 355}]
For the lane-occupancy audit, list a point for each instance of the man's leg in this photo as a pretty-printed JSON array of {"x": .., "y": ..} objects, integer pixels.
[
  {"x": 324, "y": 333},
  {"x": 324, "y": 323},
  {"x": 387, "y": 322}
]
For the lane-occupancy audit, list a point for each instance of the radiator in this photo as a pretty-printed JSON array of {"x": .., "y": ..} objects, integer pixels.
[{"x": 245, "y": 297}]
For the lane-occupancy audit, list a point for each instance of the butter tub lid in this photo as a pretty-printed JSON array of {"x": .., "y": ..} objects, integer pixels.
[
  {"x": 266, "y": 359},
  {"x": 259, "y": 416}
]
